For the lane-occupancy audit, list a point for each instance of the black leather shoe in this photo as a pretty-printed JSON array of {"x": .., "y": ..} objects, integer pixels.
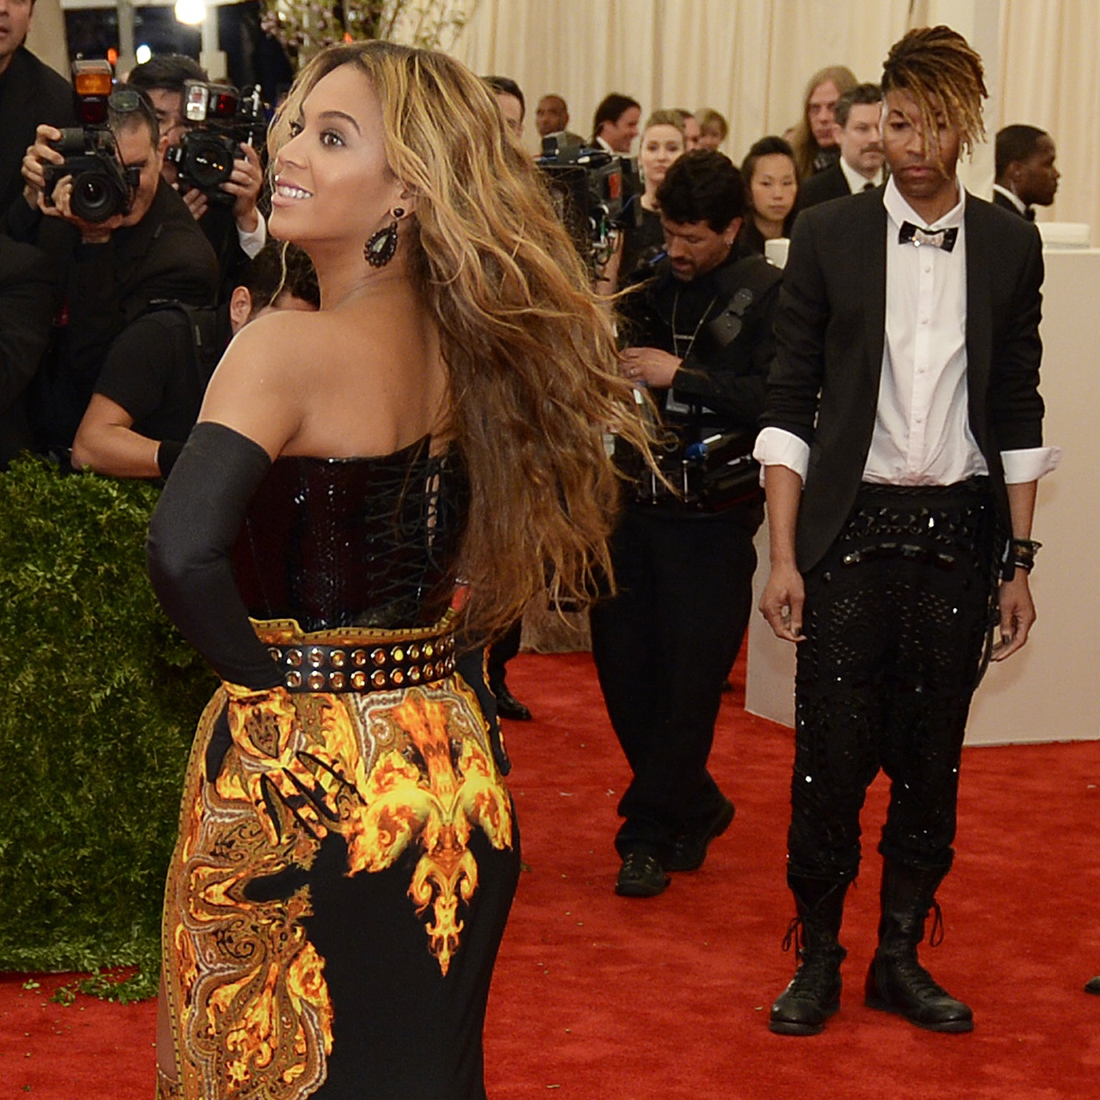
[
  {"x": 1093, "y": 986},
  {"x": 641, "y": 876},
  {"x": 508, "y": 706},
  {"x": 689, "y": 850}
]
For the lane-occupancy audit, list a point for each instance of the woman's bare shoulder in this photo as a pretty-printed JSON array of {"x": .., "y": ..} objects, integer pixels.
[{"x": 259, "y": 387}]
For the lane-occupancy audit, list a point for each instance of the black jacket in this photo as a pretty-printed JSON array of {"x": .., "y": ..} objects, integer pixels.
[
  {"x": 30, "y": 93},
  {"x": 830, "y": 331}
]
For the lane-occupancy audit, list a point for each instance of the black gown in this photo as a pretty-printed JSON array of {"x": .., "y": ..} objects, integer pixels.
[{"x": 347, "y": 852}]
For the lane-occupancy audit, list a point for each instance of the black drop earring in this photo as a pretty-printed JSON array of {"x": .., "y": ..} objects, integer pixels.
[{"x": 379, "y": 250}]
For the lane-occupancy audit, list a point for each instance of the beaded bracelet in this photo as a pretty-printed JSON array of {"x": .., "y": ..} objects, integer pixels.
[{"x": 1023, "y": 553}]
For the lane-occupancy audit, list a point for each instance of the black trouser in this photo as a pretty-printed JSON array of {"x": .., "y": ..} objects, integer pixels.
[
  {"x": 663, "y": 648},
  {"x": 501, "y": 652},
  {"x": 895, "y": 618}
]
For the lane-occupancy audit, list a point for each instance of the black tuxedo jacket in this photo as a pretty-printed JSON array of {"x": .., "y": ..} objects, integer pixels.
[
  {"x": 819, "y": 188},
  {"x": 1007, "y": 204},
  {"x": 830, "y": 332}
]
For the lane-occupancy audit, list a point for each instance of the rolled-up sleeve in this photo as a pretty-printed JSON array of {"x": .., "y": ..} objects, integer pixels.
[{"x": 777, "y": 447}]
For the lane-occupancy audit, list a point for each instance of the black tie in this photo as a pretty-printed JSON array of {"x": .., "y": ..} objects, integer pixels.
[
  {"x": 938, "y": 238},
  {"x": 1029, "y": 213},
  {"x": 868, "y": 186}
]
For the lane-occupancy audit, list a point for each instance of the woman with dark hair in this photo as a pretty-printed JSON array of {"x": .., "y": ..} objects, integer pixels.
[
  {"x": 814, "y": 139},
  {"x": 771, "y": 188},
  {"x": 347, "y": 851}
]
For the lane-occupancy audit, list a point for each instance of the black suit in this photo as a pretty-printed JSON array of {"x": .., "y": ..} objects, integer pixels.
[
  {"x": 1006, "y": 203},
  {"x": 898, "y": 579},
  {"x": 832, "y": 183},
  {"x": 30, "y": 93},
  {"x": 26, "y": 309},
  {"x": 831, "y": 323}
]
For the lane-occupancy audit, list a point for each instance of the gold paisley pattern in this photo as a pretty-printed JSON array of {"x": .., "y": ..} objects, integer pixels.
[{"x": 388, "y": 771}]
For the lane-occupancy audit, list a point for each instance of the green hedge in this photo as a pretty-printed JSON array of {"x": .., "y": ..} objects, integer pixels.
[{"x": 101, "y": 695}]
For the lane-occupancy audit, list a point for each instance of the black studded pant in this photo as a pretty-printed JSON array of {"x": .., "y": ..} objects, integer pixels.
[{"x": 895, "y": 619}]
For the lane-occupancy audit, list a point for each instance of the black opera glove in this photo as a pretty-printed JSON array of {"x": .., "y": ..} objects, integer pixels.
[{"x": 191, "y": 537}]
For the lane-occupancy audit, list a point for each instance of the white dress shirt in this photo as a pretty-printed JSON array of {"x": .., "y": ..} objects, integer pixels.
[
  {"x": 856, "y": 181},
  {"x": 253, "y": 240},
  {"x": 922, "y": 431}
]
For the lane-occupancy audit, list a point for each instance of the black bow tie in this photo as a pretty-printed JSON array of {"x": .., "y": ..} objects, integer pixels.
[
  {"x": 1029, "y": 213},
  {"x": 938, "y": 238}
]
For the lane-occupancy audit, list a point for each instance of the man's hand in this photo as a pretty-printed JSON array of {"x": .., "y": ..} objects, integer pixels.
[
  {"x": 650, "y": 366},
  {"x": 37, "y": 157},
  {"x": 782, "y": 601},
  {"x": 195, "y": 201},
  {"x": 245, "y": 185},
  {"x": 1017, "y": 615},
  {"x": 90, "y": 232}
]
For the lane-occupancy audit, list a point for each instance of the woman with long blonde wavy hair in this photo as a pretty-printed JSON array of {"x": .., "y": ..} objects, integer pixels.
[{"x": 420, "y": 457}]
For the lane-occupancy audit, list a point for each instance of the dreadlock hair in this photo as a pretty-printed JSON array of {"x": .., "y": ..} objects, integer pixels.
[{"x": 938, "y": 68}]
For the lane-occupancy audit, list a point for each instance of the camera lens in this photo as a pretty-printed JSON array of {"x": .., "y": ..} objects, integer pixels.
[
  {"x": 210, "y": 163},
  {"x": 94, "y": 197}
]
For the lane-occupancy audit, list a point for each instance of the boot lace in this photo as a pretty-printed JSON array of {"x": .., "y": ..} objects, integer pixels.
[
  {"x": 795, "y": 936},
  {"x": 935, "y": 937}
]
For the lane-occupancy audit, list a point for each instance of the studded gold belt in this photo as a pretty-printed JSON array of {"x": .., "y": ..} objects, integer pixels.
[{"x": 370, "y": 662}]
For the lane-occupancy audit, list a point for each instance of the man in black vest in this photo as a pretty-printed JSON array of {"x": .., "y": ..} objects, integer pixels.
[
  {"x": 902, "y": 446},
  {"x": 699, "y": 338},
  {"x": 1026, "y": 176}
]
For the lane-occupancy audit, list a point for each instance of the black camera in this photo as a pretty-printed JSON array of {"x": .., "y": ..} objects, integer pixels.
[
  {"x": 102, "y": 187},
  {"x": 220, "y": 118},
  {"x": 594, "y": 192}
]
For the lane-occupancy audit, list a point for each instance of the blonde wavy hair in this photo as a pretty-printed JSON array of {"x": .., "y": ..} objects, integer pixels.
[{"x": 531, "y": 356}]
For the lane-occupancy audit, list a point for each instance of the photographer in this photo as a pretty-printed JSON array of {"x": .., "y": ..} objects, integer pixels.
[
  {"x": 108, "y": 269},
  {"x": 699, "y": 337},
  {"x": 228, "y": 215},
  {"x": 152, "y": 384}
]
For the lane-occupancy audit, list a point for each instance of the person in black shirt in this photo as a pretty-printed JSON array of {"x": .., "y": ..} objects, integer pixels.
[
  {"x": 151, "y": 387},
  {"x": 699, "y": 338}
]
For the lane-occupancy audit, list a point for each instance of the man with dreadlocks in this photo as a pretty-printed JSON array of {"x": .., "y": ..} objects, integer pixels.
[{"x": 902, "y": 446}]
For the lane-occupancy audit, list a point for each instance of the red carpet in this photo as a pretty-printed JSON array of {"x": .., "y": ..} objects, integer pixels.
[{"x": 605, "y": 998}]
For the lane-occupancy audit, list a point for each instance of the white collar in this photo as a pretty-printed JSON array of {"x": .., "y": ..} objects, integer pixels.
[
  {"x": 1014, "y": 199},
  {"x": 856, "y": 181},
  {"x": 900, "y": 211}
]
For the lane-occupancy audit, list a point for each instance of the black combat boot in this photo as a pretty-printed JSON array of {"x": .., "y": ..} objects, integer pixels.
[
  {"x": 896, "y": 981},
  {"x": 814, "y": 992}
]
